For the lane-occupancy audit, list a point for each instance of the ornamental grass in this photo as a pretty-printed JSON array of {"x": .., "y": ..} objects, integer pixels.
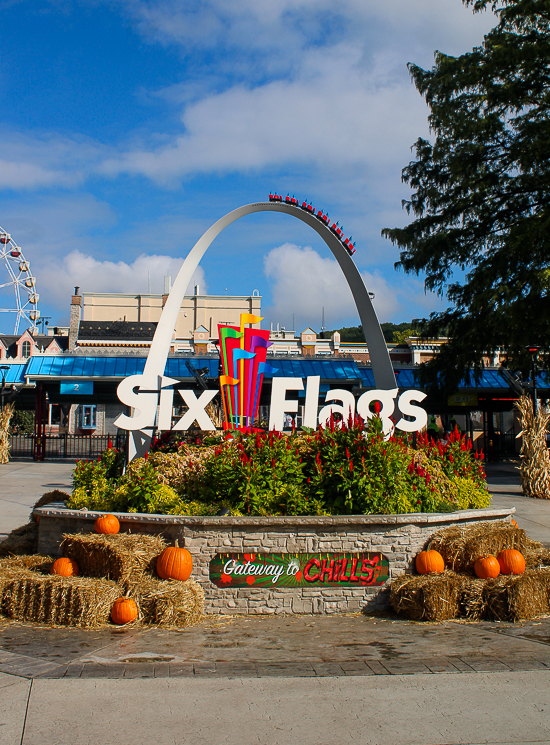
[{"x": 534, "y": 454}]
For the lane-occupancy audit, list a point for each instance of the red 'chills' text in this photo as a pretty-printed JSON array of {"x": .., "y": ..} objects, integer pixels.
[{"x": 335, "y": 570}]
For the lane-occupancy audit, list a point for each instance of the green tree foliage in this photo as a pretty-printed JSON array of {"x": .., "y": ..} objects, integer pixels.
[
  {"x": 355, "y": 335},
  {"x": 399, "y": 337},
  {"x": 481, "y": 193},
  {"x": 22, "y": 422}
]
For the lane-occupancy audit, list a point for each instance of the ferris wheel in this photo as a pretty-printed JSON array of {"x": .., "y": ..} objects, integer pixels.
[{"x": 18, "y": 295}]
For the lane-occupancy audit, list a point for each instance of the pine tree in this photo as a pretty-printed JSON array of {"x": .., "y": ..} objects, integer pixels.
[{"x": 481, "y": 193}]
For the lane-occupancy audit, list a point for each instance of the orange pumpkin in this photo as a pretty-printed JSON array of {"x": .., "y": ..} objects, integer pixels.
[
  {"x": 511, "y": 561},
  {"x": 429, "y": 562},
  {"x": 65, "y": 567},
  {"x": 175, "y": 563},
  {"x": 107, "y": 524},
  {"x": 487, "y": 567},
  {"x": 514, "y": 523},
  {"x": 124, "y": 610}
]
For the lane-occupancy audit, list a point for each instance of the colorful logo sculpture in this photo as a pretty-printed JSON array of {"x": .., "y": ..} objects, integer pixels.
[{"x": 243, "y": 352}]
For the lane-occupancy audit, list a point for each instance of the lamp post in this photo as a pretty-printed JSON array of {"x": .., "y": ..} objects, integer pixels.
[
  {"x": 4, "y": 369},
  {"x": 533, "y": 351}
]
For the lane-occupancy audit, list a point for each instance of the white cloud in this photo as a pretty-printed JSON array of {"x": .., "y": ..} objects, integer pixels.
[
  {"x": 303, "y": 283},
  {"x": 293, "y": 82},
  {"x": 307, "y": 82},
  {"x": 34, "y": 161},
  {"x": 290, "y": 25},
  {"x": 57, "y": 282},
  {"x": 333, "y": 117}
]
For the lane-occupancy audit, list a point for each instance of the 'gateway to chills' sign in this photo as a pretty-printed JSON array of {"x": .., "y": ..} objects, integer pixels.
[{"x": 299, "y": 570}]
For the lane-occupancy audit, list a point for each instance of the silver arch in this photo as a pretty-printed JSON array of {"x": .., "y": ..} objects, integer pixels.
[{"x": 380, "y": 360}]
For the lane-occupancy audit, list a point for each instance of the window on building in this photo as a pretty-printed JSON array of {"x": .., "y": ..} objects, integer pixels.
[
  {"x": 88, "y": 417},
  {"x": 26, "y": 349},
  {"x": 55, "y": 414}
]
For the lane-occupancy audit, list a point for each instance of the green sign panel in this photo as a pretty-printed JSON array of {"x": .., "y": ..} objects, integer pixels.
[{"x": 299, "y": 570}]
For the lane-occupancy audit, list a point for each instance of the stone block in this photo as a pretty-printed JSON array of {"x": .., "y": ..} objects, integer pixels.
[{"x": 302, "y": 606}]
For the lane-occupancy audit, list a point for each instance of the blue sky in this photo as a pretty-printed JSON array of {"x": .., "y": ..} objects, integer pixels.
[{"x": 129, "y": 126}]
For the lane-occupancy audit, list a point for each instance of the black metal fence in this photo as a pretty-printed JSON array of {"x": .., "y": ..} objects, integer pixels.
[{"x": 72, "y": 447}]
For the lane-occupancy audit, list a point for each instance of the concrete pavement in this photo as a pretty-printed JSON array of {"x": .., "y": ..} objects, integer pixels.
[
  {"x": 489, "y": 708},
  {"x": 22, "y": 483}
]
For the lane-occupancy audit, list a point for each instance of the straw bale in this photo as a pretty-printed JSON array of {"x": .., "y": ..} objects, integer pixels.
[
  {"x": 119, "y": 557},
  {"x": 23, "y": 540},
  {"x": 461, "y": 546},
  {"x": 427, "y": 597},
  {"x": 34, "y": 562},
  {"x": 471, "y": 600},
  {"x": 515, "y": 598},
  {"x": 51, "y": 496},
  {"x": 536, "y": 556},
  {"x": 168, "y": 603},
  {"x": 59, "y": 601}
]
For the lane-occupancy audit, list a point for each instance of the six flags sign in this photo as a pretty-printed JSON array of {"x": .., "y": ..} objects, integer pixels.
[{"x": 243, "y": 358}]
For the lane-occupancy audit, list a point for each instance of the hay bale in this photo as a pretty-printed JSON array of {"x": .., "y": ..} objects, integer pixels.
[
  {"x": 461, "y": 546},
  {"x": 427, "y": 597},
  {"x": 518, "y": 598},
  {"x": 50, "y": 496},
  {"x": 536, "y": 556},
  {"x": 168, "y": 603},
  {"x": 59, "y": 601},
  {"x": 121, "y": 557},
  {"x": 471, "y": 601},
  {"x": 12, "y": 569},
  {"x": 23, "y": 540},
  {"x": 34, "y": 562}
]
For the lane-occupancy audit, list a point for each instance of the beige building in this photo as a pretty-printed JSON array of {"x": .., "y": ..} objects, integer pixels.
[{"x": 197, "y": 311}]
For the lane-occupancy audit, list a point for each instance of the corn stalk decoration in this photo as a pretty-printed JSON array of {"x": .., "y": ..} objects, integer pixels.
[
  {"x": 5, "y": 416},
  {"x": 534, "y": 454}
]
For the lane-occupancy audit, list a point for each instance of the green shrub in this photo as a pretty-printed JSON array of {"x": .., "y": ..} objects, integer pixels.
[{"x": 343, "y": 469}]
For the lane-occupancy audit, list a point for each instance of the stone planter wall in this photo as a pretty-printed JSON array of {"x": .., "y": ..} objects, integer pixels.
[{"x": 399, "y": 537}]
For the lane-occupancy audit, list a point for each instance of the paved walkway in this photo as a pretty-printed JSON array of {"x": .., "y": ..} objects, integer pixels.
[
  {"x": 287, "y": 680},
  {"x": 22, "y": 483},
  {"x": 298, "y": 680}
]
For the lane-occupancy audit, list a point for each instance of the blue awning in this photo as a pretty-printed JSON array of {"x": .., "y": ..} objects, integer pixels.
[
  {"x": 14, "y": 374},
  {"x": 333, "y": 369}
]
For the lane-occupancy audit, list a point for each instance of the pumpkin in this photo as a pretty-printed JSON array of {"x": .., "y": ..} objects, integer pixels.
[
  {"x": 514, "y": 523},
  {"x": 124, "y": 610},
  {"x": 487, "y": 567},
  {"x": 175, "y": 563},
  {"x": 511, "y": 561},
  {"x": 65, "y": 567},
  {"x": 428, "y": 562},
  {"x": 107, "y": 524}
]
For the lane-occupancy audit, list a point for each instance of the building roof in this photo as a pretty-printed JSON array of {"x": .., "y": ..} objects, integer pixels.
[
  {"x": 15, "y": 373},
  {"x": 116, "y": 330},
  {"x": 176, "y": 367},
  {"x": 43, "y": 341},
  {"x": 490, "y": 379}
]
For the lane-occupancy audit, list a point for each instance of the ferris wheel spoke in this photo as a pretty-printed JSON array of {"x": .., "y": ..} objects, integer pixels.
[{"x": 20, "y": 282}]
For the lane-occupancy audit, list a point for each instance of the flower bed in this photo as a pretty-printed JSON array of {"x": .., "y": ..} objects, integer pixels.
[{"x": 340, "y": 470}]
